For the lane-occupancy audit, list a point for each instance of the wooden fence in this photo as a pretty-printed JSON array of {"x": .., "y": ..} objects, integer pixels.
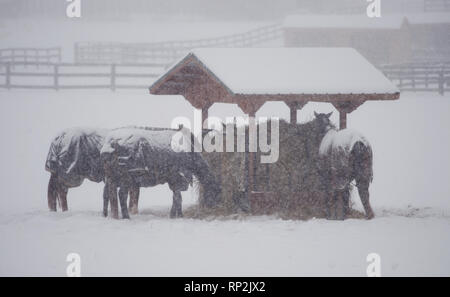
[
  {"x": 84, "y": 74},
  {"x": 46, "y": 55},
  {"x": 416, "y": 77},
  {"x": 166, "y": 52},
  {"x": 436, "y": 5},
  {"x": 420, "y": 77}
]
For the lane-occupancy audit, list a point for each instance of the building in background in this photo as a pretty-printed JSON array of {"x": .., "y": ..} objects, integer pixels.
[{"x": 391, "y": 39}]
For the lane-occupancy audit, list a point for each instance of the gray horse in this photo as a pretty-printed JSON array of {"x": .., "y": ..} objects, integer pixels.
[{"x": 145, "y": 157}]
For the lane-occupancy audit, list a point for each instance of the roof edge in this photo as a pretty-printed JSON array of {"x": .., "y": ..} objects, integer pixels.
[{"x": 153, "y": 89}]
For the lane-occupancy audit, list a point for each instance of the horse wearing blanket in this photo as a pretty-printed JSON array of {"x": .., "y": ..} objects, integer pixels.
[
  {"x": 145, "y": 157},
  {"x": 346, "y": 156},
  {"x": 74, "y": 156}
]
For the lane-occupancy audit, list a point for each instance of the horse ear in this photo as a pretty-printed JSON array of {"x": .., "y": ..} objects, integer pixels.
[
  {"x": 316, "y": 114},
  {"x": 329, "y": 114}
]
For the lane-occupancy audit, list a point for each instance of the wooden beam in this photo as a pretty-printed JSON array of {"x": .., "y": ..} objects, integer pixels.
[
  {"x": 345, "y": 108},
  {"x": 342, "y": 119},
  {"x": 251, "y": 158},
  {"x": 205, "y": 110},
  {"x": 293, "y": 117},
  {"x": 294, "y": 106}
]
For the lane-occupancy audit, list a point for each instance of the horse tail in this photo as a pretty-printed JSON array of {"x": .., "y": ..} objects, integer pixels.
[
  {"x": 52, "y": 192},
  {"x": 211, "y": 188},
  {"x": 362, "y": 162}
]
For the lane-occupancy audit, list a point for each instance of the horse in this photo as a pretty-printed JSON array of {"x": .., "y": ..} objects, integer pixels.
[
  {"x": 145, "y": 157},
  {"x": 346, "y": 155},
  {"x": 74, "y": 156}
]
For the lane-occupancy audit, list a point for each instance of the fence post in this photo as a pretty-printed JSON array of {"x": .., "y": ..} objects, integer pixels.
[
  {"x": 8, "y": 76},
  {"x": 59, "y": 54},
  {"x": 75, "y": 53},
  {"x": 113, "y": 77},
  {"x": 55, "y": 77},
  {"x": 441, "y": 82}
]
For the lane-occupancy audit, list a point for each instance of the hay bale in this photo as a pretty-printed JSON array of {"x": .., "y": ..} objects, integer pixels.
[{"x": 293, "y": 184}]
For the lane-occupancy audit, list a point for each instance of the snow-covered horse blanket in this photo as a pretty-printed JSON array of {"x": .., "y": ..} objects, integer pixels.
[
  {"x": 75, "y": 155},
  {"x": 335, "y": 150},
  {"x": 146, "y": 157}
]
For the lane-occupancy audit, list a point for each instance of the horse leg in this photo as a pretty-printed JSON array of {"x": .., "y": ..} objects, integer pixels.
[
  {"x": 330, "y": 205},
  {"x": 176, "y": 205},
  {"x": 346, "y": 201},
  {"x": 52, "y": 192},
  {"x": 134, "y": 199},
  {"x": 123, "y": 195},
  {"x": 340, "y": 205},
  {"x": 105, "y": 201},
  {"x": 363, "y": 190},
  {"x": 112, "y": 195},
  {"x": 63, "y": 198},
  {"x": 179, "y": 204},
  {"x": 331, "y": 199}
]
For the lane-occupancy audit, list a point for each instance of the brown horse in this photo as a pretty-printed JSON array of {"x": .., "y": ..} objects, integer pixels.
[
  {"x": 74, "y": 156},
  {"x": 346, "y": 156}
]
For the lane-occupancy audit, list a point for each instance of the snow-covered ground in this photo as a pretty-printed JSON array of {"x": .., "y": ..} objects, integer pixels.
[{"x": 410, "y": 194}]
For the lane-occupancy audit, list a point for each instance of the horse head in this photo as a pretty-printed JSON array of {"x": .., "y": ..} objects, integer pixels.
[{"x": 323, "y": 121}]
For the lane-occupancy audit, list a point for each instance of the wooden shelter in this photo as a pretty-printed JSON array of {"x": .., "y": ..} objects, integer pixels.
[{"x": 250, "y": 77}]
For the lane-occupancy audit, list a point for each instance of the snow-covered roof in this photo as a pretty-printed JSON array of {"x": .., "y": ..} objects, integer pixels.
[
  {"x": 392, "y": 21},
  {"x": 256, "y": 71}
]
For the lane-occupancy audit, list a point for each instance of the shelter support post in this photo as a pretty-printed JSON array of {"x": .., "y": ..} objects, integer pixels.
[
  {"x": 344, "y": 108},
  {"x": 342, "y": 119},
  {"x": 294, "y": 106},
  {"x": 251, "y": 108},
  {"x": 205, "y": 114},
  {"x": 251, "y": 156}
]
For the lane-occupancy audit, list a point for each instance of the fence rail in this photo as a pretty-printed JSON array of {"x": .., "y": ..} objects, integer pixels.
[
  {"x": 169, "y": 51},
  {"x": 416, "y": 77},
  {"x": 420, "y": 77},
  {"x": 436, "y": 5},
  {"x": 110, "y": 73},
  {"x": 46, "y": 55}
]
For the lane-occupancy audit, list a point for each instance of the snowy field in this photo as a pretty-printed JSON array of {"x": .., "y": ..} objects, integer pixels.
[{"x": 410, "y": 195}]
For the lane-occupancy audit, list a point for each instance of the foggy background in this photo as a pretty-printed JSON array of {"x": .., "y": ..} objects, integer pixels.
[{"x": 199, "y": 9}]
